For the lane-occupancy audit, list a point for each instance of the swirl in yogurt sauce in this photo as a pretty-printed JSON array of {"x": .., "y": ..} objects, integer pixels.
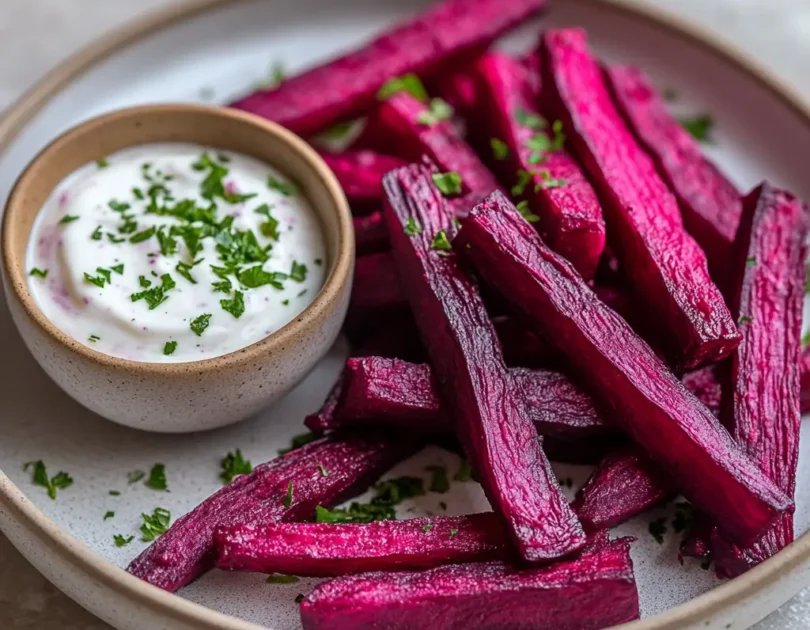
[{"x": 174, "y": 252}]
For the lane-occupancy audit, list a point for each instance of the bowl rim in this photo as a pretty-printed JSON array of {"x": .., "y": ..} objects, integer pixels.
[
  {"x": 339, "y": 271},
  {"x": 21, "y": 512}
]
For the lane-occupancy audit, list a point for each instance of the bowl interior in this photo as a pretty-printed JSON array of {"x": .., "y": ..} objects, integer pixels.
[{"x": 206, "y": 126}]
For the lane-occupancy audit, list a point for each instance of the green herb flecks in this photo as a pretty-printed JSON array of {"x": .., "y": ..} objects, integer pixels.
[
  {"x": 700, "y": 127},
  {"x": 97, "y": 234},
  {"x": 526, "y": 213},
  {"x": 288, "y": 189},
  {"x": 438, "y": 480},
  {"x": 93, "y": 338},
  {"x": 499, "y": 149},
  {"x": 426, "y": 528},
  {"x": 114, "y": 493},
  {"x": 144, "y": 235},
  {"x": 169, "y": 347},
  {"x": 441, "y": 242},
  {"x": 235, "y": 306},
  {"x": 298, "y": 441},
  {"x": 108, "y": 514},
  {"x": 157, "y": 478},
  {"x": 234, "y": 464},
  {"x": 68, "y": 219},
  {"x": 135, "y": 476},
  {"x": 184, "y": 269},
  {"x": 200, "y": 323},
  {"x": 389, "y": 494},
  {"x": 35, "y": 271},
  {"x": 278, "y": 578},
  {"x": 449, "y": 184},
  {"x": 156, "y": 295},
  {"x": 59, "y": 481},
  {"x": 254, "y": 277},
  {"x": 156, "y": 524},
  {"x": 524, "y": 177},
  {"x": 464, "y": 472},
  {"x": 530, "y": 120},
  {"x": 412, "y": 227},
  {"x": 409, "y": 83},
  {"x": 269, "y": 227},
  {"x": 287, "y": 501},
  {"x": 298, "y": 273},
  {"x": 745, "y": 319},
  {"x": 438, "y": 111},
  {"x": 121, "y": 541},
  {"x": 102, "y": 163}
]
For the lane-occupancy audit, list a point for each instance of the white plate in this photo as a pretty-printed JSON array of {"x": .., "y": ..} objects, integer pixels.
[{"x": 215, "y": 52}]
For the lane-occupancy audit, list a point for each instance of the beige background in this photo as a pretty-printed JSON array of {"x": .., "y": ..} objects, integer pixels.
[{"x": 37, "y": 34}]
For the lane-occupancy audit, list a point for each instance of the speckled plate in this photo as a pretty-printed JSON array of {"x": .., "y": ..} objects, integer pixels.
[{"x": 211, "y": 51}]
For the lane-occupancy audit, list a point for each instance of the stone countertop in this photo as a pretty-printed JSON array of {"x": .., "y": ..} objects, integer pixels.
[{"x": 37, "y": 34}]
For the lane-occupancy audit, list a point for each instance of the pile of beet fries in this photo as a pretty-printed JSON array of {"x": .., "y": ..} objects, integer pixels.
[{"x": 571, "y": 278}]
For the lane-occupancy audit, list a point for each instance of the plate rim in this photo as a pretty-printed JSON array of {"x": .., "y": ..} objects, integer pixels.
[{"x": 59, "y": 541}]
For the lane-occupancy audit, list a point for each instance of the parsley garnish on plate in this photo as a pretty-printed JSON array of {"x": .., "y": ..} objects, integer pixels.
[
  {"x": 93, "y": 338},
  {"x": 278, "y": 578},
  {"x": 135, "y": 476},
  {"x": 526, "y": 213},
  {"x": 68, "y": 219},
  {"x": 699, "y": 127},
  {"x": 448, "y": 183},
  {"x": 42, "y": 273},
  {"x": 234, "y": 464},
  {"x": 102, "y": 163},
  {"x": 412, "y": 227},
  {"x": 438, "y": 110},
  {"x": 155, "y": 524},
  {"x": 157, "y": 478},
  {"x": 114, "y": 493},
  {"x": 199, "y": 324},
  {"x": 169, "y": 348},
  {"x": 108, "y": 514},
  {"x": 120, "y": 541},
  {"x": 59, "y": 481},
  {"x": 524, "y": 177},
  {"x": 409, "y": 83},
  {"x": 381, "y": 508}
]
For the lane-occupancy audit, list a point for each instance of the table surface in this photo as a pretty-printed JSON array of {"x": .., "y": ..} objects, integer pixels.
[{"x": 37, "y": 34}]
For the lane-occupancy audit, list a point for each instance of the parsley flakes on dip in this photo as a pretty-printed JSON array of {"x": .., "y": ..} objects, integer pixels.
[{"x": 174, "y": 252}]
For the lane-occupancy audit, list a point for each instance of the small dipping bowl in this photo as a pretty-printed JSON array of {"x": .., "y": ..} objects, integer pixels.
[{"x": 195, "y": 395}]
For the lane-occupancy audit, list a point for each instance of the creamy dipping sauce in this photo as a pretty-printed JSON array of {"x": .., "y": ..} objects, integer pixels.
[{"x": 174, "y": 252}]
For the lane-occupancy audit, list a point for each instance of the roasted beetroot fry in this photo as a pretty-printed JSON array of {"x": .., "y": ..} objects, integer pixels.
[
  {"x": 406, "y": 394},
  {"x": 335, "y": 549},
  {"x": 626, "y": 483},
  {"x": 360, "y": 175},
  {"x": 427, "y": 45},
  {"x": 661, "y": 261},
  {"x": 396, "y": 127},
  {"x": 521, "y": 347},
  {"x": 370, "y": 234},
  {"x": 595, "y": 591},
  {"x": 761, "y": 403},
  {"x": 610, "y": 360},
  {"x": 459, "y": 90},
  {"x": 376, "y": 286},
  {"x": 287, "y": 488},
  {"x": 531, "y": 160},
  {"x": 623, "y": 485},
  {"x": 710, "y": 204},
  {"x": 460, "y": 339},
  {"x": 804, "y": 372}
]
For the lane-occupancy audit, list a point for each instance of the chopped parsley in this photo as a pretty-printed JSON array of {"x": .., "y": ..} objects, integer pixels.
[
  {"x": 526, "y": 213},
  {"x": 155, "y": 296},
  {"x": 157, "y": 478},
  {"x": 102, "y": 163},
  {"x": 42, "y": 273},
  {"x": 135, "y": 476},
  {"x": 169, "y": 348},
  {"x": 499, "y": 149},
  {"x": 426, "y": 527},
  {"x": 269, "y": 228},
  {"x": 745, "y": 319},
  {"x": 453, "y": 533},
  {"x": 99, "y": 280},
  {"x": 322, "y": 468},
  {"x": 93, "y": 338},
  {"x": 254, "y": 277},
  {"x": 409, "y": 83},
  {"x": 524, "y": 177},
  {"x": 438, "y": 110},
  {"x": 222, "y": 286},
  {"x": 298, "y": 273},
  {"x": 464, "y": 472},
  {"x": 448, "y": 183},
  {"x": 298, "y": 441},
  {"x": 658, "y": 528},
  {"x": 278, "y": 578},
  {"x": 438, "y": 481},
  {"x": 288, "y": 189},
  {"x": 120, "y": 541},
  {"x": 751, "y": 262},
  {"x": 199, "y": 324},
  {"x": 235, "y": 306},
  {"x": 156, "y": 524},
  {"x": 119, "y": 269},
  {"x": 114, "y": 493},
  {"x": 699, "y": 127},
  {"x": 389, "y": 494},
  {"x": 806, "y": 338},
  {"x": 59, "y": 481},
  {"x": 547, "y": 181},
  {"x": 144, "y": 235},
  {"x": 287, "y": 501},
  {"x": 97, "y": 234},
  {"x": 108, "y": 515},
  {"x": 530, "y": 120},
  {"x": 184, "y": 269},
  {"x": 68, "y": 219},
  {"x": 234, "y": 464},
  {"x": 440, "y": 241},
  {"x": 412, "y": 227}
]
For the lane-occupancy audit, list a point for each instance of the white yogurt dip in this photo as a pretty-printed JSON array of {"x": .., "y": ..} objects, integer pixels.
[{"x": 174, "y": 252}]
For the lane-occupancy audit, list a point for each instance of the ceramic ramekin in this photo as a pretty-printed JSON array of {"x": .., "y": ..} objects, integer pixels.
[{"x": 198, "y": 395}]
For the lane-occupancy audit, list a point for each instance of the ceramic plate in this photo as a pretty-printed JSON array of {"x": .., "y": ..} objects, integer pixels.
[{"x": 212, "y": 51}]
